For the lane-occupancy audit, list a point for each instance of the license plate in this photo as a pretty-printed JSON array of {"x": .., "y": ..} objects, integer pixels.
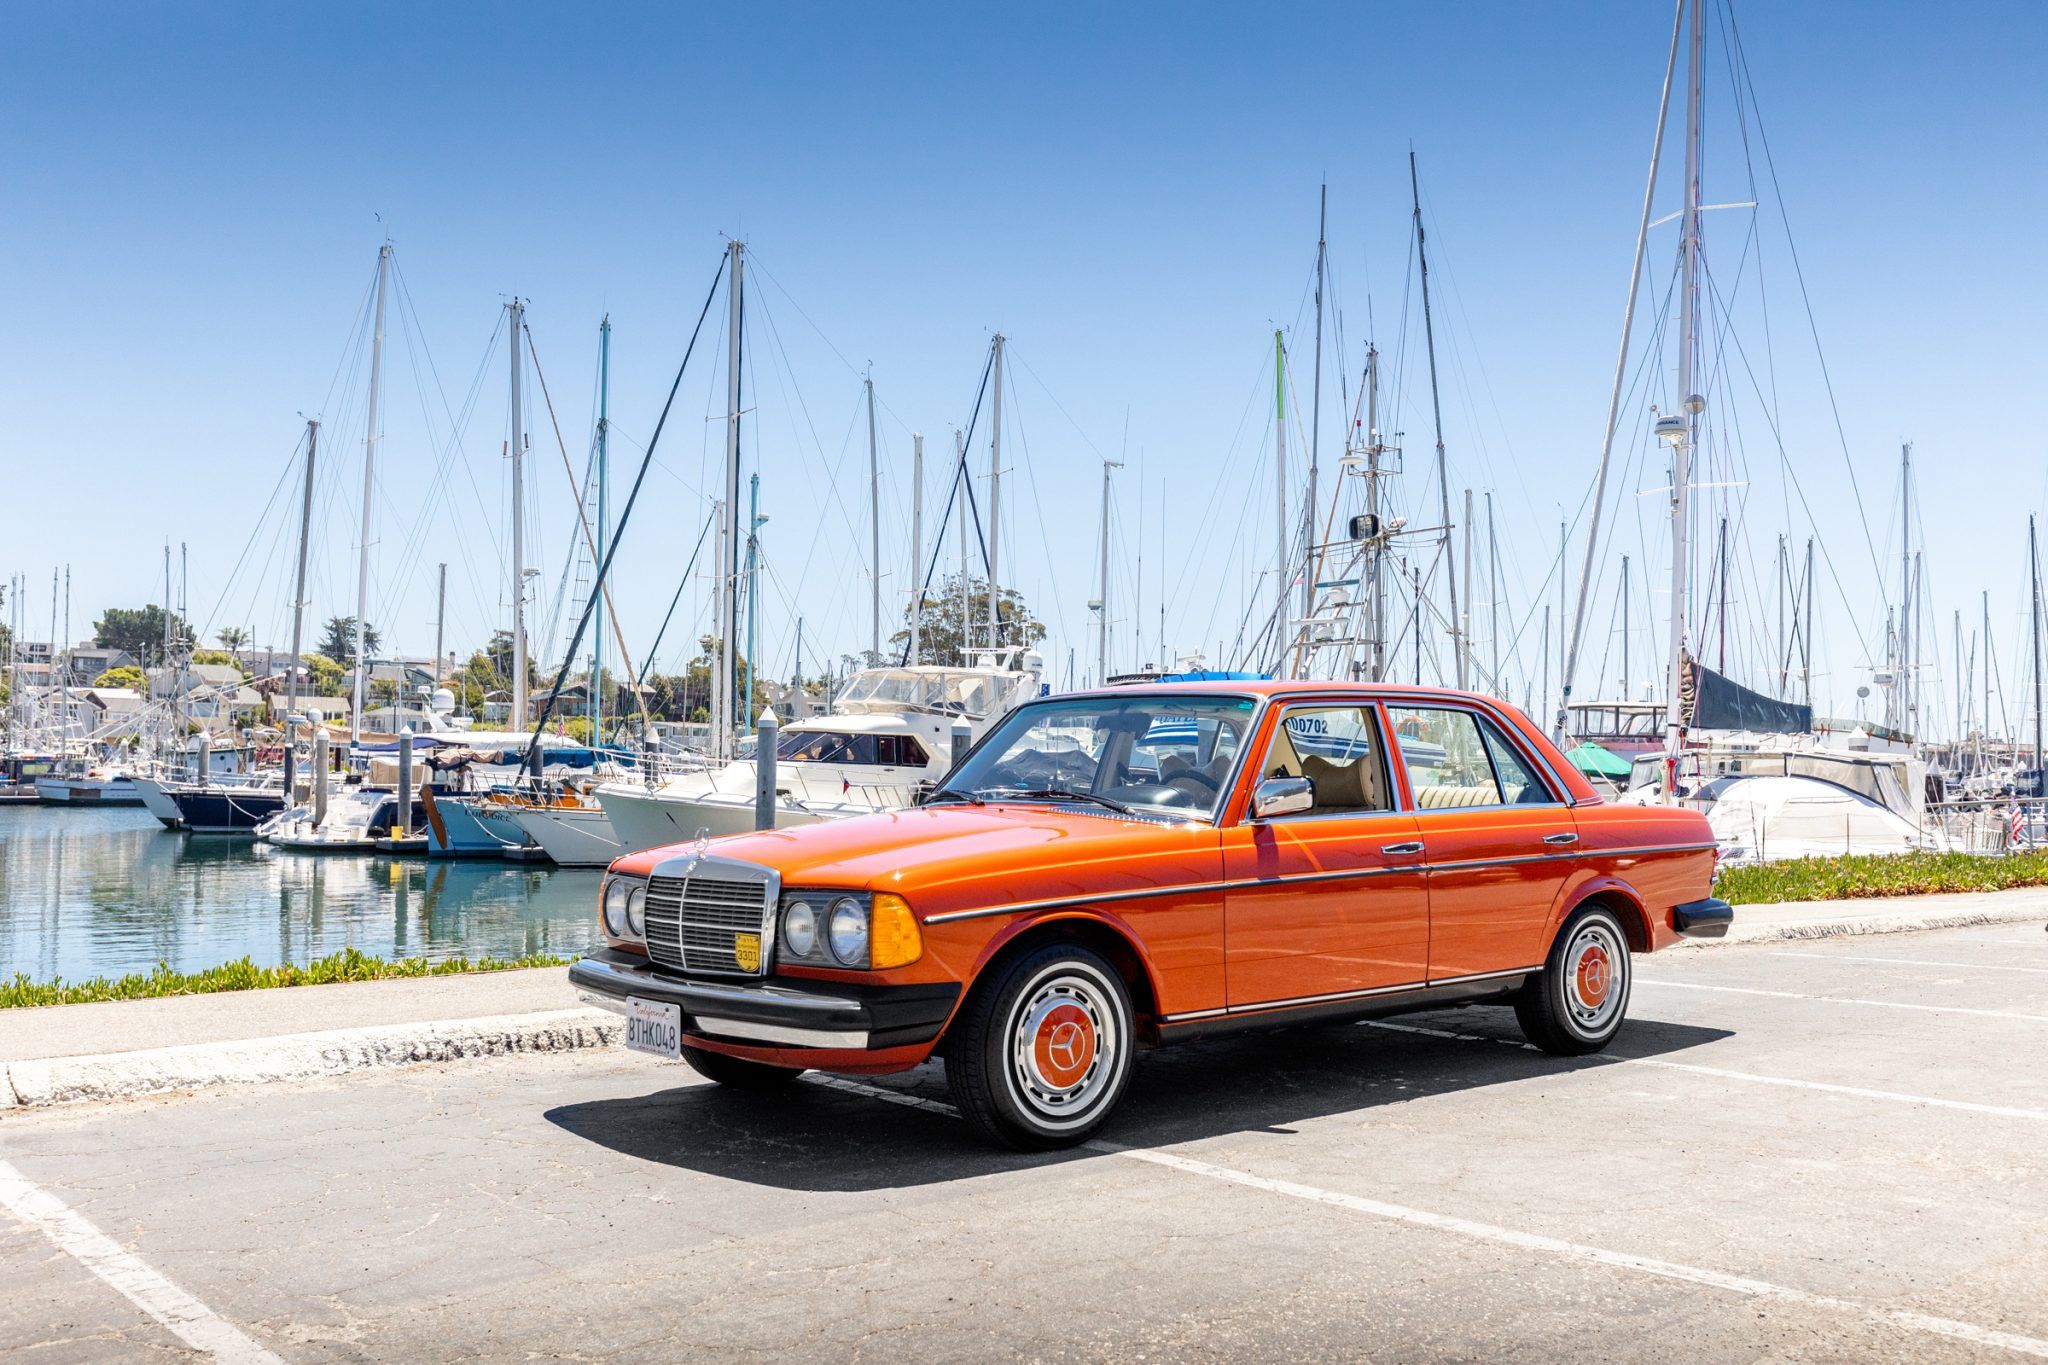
[{"x": 654, "y": 1028}]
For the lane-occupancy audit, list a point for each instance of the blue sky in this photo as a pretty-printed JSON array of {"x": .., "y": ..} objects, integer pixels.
[{"x": 196, "y": 197}]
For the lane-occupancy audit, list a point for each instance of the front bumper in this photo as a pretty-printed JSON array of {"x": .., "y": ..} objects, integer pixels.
[
  {"x": 779, "y": 1012},
  {"x": 1709, "y": 918}
]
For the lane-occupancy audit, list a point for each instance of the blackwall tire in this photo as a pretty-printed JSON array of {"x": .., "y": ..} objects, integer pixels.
[
  {"x": 1043, "y": 1049},
  {"x": 1579, "y": 1002}
]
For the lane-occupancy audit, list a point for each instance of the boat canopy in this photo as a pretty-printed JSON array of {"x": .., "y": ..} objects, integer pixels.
[{"x": 973, "y": 693}]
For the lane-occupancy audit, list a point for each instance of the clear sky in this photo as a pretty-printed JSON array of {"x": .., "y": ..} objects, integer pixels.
[{"x": 195, "y": 197}]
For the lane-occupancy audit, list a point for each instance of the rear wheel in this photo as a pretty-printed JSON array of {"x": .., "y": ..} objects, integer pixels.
[
  {"x": 1576, "y": 1006},
  {"x": 1042, "y": 1050},
  {"x": 738, "y": 1072}
]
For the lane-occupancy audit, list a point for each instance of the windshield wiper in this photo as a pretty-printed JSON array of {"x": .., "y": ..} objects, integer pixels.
[
  {"x": 1064, "y": 794},
  {"x": 937, "y": 794}
]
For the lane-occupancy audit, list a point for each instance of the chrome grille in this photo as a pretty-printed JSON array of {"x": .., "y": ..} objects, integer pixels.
[{"x": 693, "y": 922}]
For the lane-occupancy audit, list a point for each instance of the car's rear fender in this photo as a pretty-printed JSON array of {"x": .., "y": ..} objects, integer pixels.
[{"x": 1617, "y": 895}]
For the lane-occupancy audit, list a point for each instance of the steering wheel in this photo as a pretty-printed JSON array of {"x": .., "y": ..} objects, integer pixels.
[{"x": 1196, "y": 782}]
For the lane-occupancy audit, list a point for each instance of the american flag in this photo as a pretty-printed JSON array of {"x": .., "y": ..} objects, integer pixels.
[{"x": 2016, "y": 826}]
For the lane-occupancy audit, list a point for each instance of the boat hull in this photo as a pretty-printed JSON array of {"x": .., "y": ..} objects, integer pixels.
[
  {"x": 226, "y": 810},
  {"x": 642, "y": 819},
  {"x": 574, "y": 836},
  {"x": 468, "y": 827},
  {"x": 87, "y": 791},
  {"x": 157, "y": 800}
]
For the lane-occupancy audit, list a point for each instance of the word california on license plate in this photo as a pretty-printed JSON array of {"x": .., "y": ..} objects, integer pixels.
[{"x": 654, "y": 1028}]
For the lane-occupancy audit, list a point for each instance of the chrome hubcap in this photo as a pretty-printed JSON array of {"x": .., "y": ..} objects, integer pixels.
[
  {"x": 1595, "y": 984},
  {"x": 1065, "y": 1045}
]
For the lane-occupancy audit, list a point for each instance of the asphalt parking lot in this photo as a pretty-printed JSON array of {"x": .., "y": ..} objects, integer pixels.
[{"x": 1793, "y": 1152}]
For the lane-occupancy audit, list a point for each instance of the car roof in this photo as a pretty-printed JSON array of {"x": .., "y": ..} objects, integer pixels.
[{"x": 1285, "y": 687}]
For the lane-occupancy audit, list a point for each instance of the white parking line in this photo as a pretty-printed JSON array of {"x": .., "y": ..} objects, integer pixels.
[
  {"x": 1846, "y": 1000},
  {"x": 190, "y": 1320},
  {"x": 1909, "y": 962},
  {"x": 1753, "y": 1078},
  {"x": 1487, "y": 1232},
  {"x": 1622, "y": 1260}
]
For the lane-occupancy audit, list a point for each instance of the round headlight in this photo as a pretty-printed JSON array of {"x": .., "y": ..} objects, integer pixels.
[
  {"x": 800, "y": 928},
  {"x": 849, "y": 932},
  {"x": 615, "y": 908},
  {"x": 636, "y": 911}
]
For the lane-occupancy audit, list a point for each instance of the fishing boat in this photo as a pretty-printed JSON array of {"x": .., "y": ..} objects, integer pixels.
[
  {"x": 92, "y": 785},
  {"x": 18, "y": 774},
  {"x": 894, "y": 730}
]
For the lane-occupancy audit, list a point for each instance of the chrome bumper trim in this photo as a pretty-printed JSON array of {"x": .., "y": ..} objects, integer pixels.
[{"x": 742, "y": 1031}]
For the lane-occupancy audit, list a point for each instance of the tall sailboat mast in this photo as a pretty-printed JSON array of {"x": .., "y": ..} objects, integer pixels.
[
  {"x": 1628, "y": 322},
  {"x": 1682, "y": 433},
  {"x": 604, "y": 430},
  {"x": 370, "y": 439},
  {"x": 995, "y": 493},
  {"x": 1309, "y": 570},
  {"x": 1102, "y": 598},
  {"x": 1281, "y": 634},
  {"x": 874, "y": 534},
  {"x": 1436, "y": 407},
  {"x": 724, "y": 733},
  {"x": 916, "y": 540},
  {"x": 518, "y": 721},
  {"x": 291, "y": 680},
  {"x": 1375, "y": 546}
]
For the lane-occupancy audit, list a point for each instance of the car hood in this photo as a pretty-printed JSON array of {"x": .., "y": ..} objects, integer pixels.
[{"x": 955, "y": 857}]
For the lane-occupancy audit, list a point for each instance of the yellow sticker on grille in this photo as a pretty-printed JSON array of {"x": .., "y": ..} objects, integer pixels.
[{"x": 746, "y": 950}]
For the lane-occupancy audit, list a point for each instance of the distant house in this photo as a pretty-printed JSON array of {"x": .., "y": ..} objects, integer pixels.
[
  {"x": 410, "y": 679},
  {"x": 89, "y": 661},
  {"x": 325, "y": 710},
  {"x": 116, "y": 703},
  {"x": 67, "y": 710},
  {"x": 212, "y": 695}
]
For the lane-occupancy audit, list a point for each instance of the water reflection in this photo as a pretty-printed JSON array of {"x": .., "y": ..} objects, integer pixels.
[{"x": 89, "y": 893}]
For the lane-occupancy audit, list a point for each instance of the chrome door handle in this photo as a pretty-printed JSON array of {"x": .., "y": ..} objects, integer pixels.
[
  {"x": 1415, "y": 846},
  {"x": 1560, "y": 838}
]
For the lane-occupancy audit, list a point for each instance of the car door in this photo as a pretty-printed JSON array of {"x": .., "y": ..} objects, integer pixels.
[
  {"x": 1330, "y": 900},
  {"x": 1496, "y": 831}
]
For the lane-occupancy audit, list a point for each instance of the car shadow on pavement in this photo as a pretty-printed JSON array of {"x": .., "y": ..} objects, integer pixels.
[{"x": 822, "y": 1137}]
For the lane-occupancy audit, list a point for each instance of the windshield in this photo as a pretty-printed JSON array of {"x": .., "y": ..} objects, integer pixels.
[{"x": 1167, "y": 755}]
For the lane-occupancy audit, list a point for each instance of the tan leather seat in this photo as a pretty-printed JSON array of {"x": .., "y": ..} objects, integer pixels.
[{"x": 1450, "y": 798}]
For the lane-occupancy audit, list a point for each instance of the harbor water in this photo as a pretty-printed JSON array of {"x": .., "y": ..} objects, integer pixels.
[{"x": 87, "y": 893}]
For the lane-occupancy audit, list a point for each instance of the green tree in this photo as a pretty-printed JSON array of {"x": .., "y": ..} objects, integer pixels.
[
  {"x": 325, "y": 675},
  {"x": 938, "y": 622},
  {"x": 233, "y": 638},
  {"x": 140, "y": 631},
  {"x": 125, "y": 676},
  {"x": 215, "y": 658},
  {"x": 338, "y": 642},
  {"x": 384, "y": 691}
]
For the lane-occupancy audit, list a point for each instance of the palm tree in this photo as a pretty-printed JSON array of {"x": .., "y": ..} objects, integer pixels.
[{"x": 233, "y": 638}]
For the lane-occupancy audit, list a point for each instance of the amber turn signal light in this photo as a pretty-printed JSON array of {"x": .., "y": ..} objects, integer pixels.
[{"x": 893, "y": 936}]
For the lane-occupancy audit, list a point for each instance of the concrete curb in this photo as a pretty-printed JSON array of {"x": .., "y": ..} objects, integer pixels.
[
  {"x": 1795, "y": 931},
  {"x": 299, "y": 1056}
]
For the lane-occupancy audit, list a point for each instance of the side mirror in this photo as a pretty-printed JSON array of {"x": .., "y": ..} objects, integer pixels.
[{"x": 1282, "y": 796}]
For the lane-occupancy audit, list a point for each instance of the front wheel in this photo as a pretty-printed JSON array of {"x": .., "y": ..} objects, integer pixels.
[
  {"x": 1576, "y": 1006},
  {"x": 738, "y": 1072},
  {"x": 1042, "y": 1050}
]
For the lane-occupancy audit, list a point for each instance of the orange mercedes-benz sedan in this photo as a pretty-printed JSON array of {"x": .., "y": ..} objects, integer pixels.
[{"x": 1110, "y": 871}]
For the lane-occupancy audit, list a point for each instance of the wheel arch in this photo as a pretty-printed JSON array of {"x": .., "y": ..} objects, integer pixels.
[
  {"x": 1103, "y": 933},
  {"x": 1614, "y": 895}
]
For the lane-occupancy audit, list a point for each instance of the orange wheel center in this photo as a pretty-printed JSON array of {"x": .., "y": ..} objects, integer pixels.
[
  {"x": 1065, "y": 1046},
  {"x": 1595, "y": 975}
]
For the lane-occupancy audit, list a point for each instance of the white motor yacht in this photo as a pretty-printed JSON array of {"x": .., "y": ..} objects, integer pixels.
[{"x": 892, "y": 731}]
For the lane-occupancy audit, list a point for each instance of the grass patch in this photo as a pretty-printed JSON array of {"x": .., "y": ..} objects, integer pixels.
[
  {"x": 244, "y": 975},
  {"x": 1902, "y": 874}
]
